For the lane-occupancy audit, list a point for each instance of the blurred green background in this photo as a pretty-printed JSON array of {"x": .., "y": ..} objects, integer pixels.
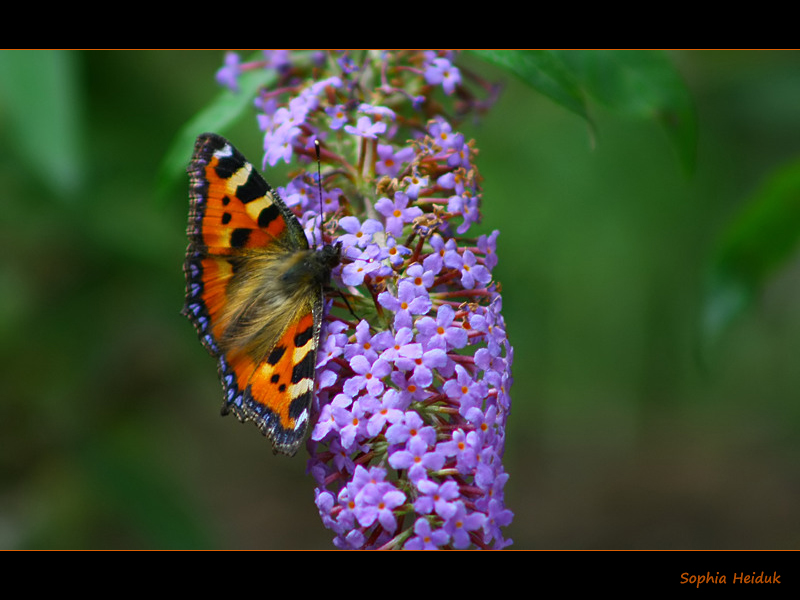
[{"x": 629, "y": 429}]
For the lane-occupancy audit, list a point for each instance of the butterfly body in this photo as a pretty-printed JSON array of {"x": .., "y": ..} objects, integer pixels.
[{"x": 254, "y": 292}]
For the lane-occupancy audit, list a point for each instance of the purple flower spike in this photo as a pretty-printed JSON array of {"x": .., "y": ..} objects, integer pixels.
[{"x": 413, "y": 366}]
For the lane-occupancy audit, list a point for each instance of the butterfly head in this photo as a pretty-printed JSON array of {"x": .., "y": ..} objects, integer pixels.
[{"x": 325, "y": 260}]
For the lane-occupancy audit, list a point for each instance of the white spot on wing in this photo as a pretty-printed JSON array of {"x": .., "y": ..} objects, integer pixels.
[{"x": 224, "y": 152}]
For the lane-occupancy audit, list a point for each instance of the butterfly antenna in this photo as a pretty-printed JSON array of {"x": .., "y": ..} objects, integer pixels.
[{"x": 319, "y": 185}]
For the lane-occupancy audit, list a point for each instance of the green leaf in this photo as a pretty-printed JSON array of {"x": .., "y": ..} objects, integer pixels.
[
  {"x": 761, "y": 238},
  {"x": 43, "y": 111},
  {"x": 218, "y": 116},
  {"x": 545, "y": 72},
  {"x": 642, "y": 84}
]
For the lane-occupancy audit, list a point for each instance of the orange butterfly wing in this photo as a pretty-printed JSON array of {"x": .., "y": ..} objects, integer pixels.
[{"x": 254, "y": 292}]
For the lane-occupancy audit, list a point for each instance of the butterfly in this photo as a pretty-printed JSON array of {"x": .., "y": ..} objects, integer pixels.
[{"x": 254, "y": 292}]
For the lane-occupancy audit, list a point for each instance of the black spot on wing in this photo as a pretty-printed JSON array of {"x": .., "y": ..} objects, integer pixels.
[
  {"x": 299, "y": 404},
  {"x": 305, "y": 368},
  {"x": 268, "y": 215},
  {"x": 276, "y": 355},
  {"x": 239, "y": 237},
  {"x": 302, "y": 338},
  {"x": 228, "y": 165},
  {"x": 255, "y": 187}
]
